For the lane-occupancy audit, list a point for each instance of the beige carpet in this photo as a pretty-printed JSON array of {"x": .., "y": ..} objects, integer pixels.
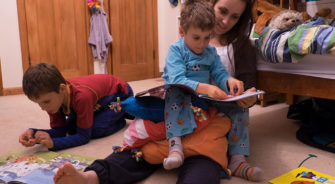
[{"x": 274, "y": 147}]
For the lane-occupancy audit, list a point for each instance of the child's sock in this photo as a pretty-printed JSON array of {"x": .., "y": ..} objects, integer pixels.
[
  {"x": 176, "y": 155},
  {"x": 239, "y": 167}
]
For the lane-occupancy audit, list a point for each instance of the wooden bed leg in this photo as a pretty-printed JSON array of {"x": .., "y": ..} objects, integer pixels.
[
  {"x": 289, "y": 99},
  {"x": 261, "y": 99},
  {"x": 271, "y": 98}
]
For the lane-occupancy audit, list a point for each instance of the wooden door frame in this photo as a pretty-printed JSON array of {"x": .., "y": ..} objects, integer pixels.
[
  {"x": 155, "y": 40},
  {"x": 21, "y": 10},
  {"x": 106, "y": 5},
  {"x": 25, "y": 46},
  {"x": 155, "y": 25}
]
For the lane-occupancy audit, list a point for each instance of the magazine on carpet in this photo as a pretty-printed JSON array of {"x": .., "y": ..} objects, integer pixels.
[
  {"x": 159, "y": 91},
  {"x": 302, "y": 175},
  {"x": 37, "y": 168}
]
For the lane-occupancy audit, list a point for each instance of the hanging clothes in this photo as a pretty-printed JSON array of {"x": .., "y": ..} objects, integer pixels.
[
  {"x": 99, "y": 33},
  {"x": 176, "y": 2}
]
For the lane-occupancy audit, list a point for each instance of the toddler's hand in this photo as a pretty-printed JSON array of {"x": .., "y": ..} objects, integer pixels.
[
  {"x": 44, "y": 138},
  {"x": 216, "y": 92},
  {"x": 211, "y": 90},
  {"x": 27, "y": 138}
]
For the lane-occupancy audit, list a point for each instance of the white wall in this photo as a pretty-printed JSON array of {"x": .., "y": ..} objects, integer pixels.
[
  {"x": 167, "y": 29},
  {"x": 10, "y": 49},
  {"x": 313, "y": 6}
]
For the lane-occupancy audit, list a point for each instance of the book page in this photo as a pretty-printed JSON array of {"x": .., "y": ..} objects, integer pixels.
[
  {"x": 234, "y": 98},
  {"x": 37, "y": 167},
  {"x": 157, "y": 91}
]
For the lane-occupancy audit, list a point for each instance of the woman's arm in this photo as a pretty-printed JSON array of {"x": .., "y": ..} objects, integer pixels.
[{"x": 245, "y": 56}]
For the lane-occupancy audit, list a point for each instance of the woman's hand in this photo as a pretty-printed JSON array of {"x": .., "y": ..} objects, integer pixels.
[
  {"x": 247, "y": 102},
  {"x": 236, "y": 86}
]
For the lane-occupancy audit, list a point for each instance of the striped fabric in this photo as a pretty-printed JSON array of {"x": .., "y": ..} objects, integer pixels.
[
  {"x": 141, "y": 131},
  {"x": 316, "y": 36},
  {"x": 135, "y": 130}
]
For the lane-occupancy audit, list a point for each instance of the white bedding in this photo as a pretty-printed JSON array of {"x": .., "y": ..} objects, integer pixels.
[{"x": 322, "y": 66}]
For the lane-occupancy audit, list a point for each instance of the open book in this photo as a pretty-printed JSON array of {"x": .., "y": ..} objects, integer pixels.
[
  {"x": 159, "y": 91},
  {"x": 37, "y": 168},
  {"x": 302, "y": 175}
]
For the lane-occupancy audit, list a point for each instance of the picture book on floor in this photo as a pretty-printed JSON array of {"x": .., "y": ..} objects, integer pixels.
[
  {"x": 38, "y": 167},
  {"x": 159, "y": 91},
  {"x": 302, "y": 175}
]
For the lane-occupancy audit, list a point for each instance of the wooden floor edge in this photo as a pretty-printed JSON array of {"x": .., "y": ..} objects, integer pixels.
[{"x": 12, "y": 91}]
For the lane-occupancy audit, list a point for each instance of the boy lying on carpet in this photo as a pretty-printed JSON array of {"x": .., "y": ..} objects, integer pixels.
[{"x": 78, "y": 108}]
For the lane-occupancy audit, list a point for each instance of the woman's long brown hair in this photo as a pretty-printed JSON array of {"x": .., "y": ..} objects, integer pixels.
[{"x": 245, "y": 54}]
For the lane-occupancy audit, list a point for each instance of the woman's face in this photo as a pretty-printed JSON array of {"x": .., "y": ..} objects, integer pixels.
[{"x": 227, "y": 13}]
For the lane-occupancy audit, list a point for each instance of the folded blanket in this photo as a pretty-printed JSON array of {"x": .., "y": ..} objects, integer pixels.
[
  {"x": 142, "y": 131},
  {"x": 208, "y": 139},
  {"x": 316, "y": 36},
  {"x": 211, "y": 141}
]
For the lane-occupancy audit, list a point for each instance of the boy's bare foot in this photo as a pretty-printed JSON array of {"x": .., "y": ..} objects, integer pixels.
[{"x": 67, "y": 174}]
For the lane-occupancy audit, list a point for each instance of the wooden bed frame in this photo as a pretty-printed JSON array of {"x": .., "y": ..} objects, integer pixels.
[{"x": 293, "y": 84}]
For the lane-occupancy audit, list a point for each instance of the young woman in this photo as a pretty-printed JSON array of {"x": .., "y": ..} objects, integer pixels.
[{"x": 231, "y": 39}]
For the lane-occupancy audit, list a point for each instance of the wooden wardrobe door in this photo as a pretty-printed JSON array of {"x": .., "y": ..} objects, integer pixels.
[
  {"x": 134, "y": 32},
  {"x": 55, "y": 31}
]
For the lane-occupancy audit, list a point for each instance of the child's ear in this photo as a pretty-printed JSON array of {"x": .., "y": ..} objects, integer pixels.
[
  {"x": 62, "y": 88},
  {"x": 181, "y": 32}
]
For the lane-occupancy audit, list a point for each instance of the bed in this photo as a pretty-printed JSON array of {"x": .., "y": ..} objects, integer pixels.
[
  {"x": 305, "y": 71},
  {"x": 292, "y": 80}
]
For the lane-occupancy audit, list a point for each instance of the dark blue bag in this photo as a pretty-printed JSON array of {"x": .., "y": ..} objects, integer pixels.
[{"x": 317, "y": 120}]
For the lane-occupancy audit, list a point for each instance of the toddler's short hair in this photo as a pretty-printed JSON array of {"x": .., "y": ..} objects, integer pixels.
[
  {"x": 40, "y": 79},
  {"x": 197, "y": 13}
]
